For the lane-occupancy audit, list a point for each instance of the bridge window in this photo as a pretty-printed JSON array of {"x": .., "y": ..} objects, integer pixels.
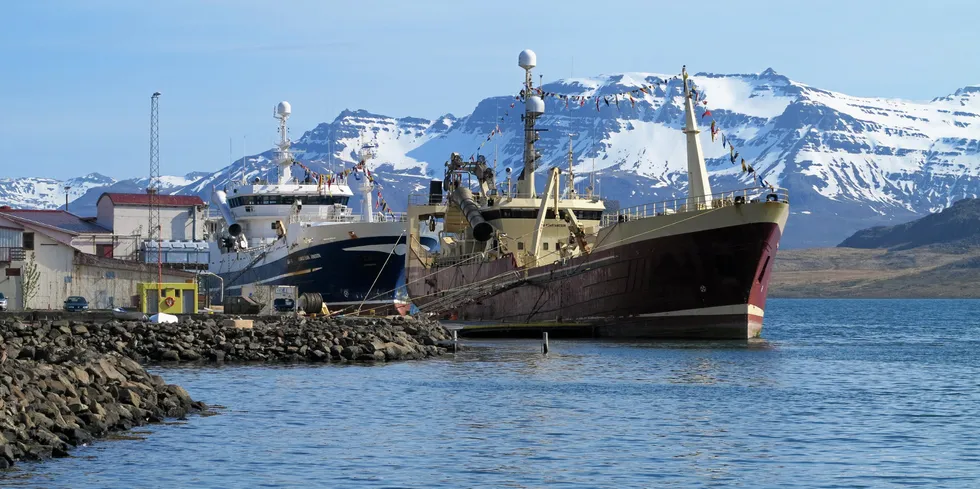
[{"x": 287, "y": 200}]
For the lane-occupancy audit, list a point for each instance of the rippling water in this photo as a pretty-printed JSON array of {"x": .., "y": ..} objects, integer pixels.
[{"x": 839, "y": 393}]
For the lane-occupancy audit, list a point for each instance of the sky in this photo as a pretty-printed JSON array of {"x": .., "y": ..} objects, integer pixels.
[{"x": 76, "y": 76}]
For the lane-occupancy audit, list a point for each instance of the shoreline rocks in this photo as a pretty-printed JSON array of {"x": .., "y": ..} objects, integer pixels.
[
  {"x": 276, "y": 339},
  {"x": 66, "y": 382},
  {"x": 48, "y": 408}
]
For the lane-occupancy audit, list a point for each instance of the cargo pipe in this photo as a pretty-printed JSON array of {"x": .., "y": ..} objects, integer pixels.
[
  {"x": 220, "y": 200},
  {"x": 482, "y": 230}
]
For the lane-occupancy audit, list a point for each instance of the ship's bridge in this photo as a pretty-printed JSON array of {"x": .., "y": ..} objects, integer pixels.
[{"x": 258, "y": 206}]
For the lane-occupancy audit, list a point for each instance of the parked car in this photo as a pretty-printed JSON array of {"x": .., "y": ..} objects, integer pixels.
[
  {"x": 76, "y": 303},
  {"x": 3, "y": 302}
]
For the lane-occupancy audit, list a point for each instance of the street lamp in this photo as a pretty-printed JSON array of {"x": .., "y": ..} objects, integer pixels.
[{"x": 67, "y": 188}]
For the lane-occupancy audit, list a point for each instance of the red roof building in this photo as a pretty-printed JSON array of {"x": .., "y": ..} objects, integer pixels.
[
  {"x": 144, "y": 200},
  {"x": 181, "y": 216},
  {"x": 55, "y": 219}
]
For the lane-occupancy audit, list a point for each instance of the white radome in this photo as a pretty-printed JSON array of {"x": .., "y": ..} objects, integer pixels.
[
  {"x": 284, "y": 108},
  {"x": 535, "y": 105},
  {"x": 527, "y": 59}
]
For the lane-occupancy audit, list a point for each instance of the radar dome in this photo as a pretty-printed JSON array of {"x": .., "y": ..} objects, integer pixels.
[
  {"x": 535, "y": 105},
  {"x": 527, "y": 59},
  {"x": 284, "y": 108}
]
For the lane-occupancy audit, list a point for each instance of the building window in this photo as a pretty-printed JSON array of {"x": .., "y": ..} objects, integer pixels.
[
  {"x": 545, "y": 244},
  {"x": 520, "y": 245},
  {"x": 104, "y": 250},
  {"x": 177, "y": 293},
  {"x": 28, "y": 241}
]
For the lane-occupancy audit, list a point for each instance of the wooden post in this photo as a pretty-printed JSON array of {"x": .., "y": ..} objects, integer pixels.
[
  {"x": 544, "y": 342},
  {"x": 455, "y": 339}
]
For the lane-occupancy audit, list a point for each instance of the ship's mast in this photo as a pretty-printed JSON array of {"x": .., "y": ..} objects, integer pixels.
[
  {"x": 697, "y": 173},
  {"x": 366, "y": 188},
  {"x": 571, "y": 167},
  {"x": 533, "y": 108},
  {"x": 283, "y": 159}
]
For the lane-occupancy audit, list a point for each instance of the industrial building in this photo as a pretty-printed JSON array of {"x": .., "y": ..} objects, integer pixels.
[
  {"x": 181, "y": 220},
  {"x": 48, "y": 255}
]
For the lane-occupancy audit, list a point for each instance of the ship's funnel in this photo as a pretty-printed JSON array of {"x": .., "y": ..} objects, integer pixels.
[{"x": 482, "y": 230}]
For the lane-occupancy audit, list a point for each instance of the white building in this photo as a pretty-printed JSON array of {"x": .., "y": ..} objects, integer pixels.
[
  {"x": 69, "y": 255},
  {"x": 181, "y": 217}
]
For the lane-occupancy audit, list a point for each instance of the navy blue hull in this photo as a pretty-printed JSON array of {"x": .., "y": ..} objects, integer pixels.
[{"x": 339, "y": 276}]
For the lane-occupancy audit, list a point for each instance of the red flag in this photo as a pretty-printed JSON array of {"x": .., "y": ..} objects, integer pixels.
[
  {"x": 707, "y": 112},
  {"x": 632, "y": 102}
]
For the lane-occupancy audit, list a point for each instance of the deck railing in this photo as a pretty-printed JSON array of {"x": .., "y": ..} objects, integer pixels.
[
  {"x": 694, "y": 204},
  {"x": 331, "y": 216}
]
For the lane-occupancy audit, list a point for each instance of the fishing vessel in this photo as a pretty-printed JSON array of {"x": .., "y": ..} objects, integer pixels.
[
  {"x": 290, "y": 230},
  {"x": 513, "y": 260}
]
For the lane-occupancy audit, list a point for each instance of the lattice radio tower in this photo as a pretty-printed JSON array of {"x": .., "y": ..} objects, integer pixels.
[{"x": 153, "y": 186}]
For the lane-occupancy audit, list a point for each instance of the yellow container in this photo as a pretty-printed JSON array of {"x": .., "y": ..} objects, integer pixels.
[{"x": 175, "y": 298}]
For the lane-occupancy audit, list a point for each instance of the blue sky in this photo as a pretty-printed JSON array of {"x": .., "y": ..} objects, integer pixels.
[{"x": 76, "y": 76}]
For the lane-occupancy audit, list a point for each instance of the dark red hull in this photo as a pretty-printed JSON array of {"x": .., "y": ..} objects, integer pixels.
[{"x": 704, "y": 284}]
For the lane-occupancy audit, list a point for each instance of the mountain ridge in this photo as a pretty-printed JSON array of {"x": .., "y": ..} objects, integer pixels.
[{"x": 848, "y": 162}]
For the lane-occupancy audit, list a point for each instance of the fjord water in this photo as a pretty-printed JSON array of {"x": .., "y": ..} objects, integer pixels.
[{"x": 838, "y": 393}]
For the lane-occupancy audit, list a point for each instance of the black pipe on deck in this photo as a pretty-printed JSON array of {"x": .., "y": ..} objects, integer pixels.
[{"x": 482, "y": 230}]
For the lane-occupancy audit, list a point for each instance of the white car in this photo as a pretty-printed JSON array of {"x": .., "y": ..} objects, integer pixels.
[{"x": 3, "y": 302}]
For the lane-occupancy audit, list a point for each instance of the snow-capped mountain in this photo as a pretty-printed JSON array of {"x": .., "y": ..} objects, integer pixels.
[
  {"x": 848, "y": 162},
  {"x": 83, "y": 192},
  {"x": 47, "y": 193}
]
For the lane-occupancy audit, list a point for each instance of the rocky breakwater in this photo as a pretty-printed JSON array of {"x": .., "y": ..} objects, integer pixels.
[
  {"x": 75, "y": 395},
  {"x": 344, "y": 340},
  {"x": 65, "y": 382}
]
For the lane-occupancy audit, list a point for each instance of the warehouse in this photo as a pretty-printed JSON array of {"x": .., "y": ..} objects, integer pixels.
[{"x": 47, "y": 256}]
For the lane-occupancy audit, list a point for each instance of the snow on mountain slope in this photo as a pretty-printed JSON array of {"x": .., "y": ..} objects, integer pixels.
[
  {"x": 333, "y": 147},
  {"x": 84, "y": 192},
  {"x": 47, "y": 193},
  {"x": 848, "y": 162}
]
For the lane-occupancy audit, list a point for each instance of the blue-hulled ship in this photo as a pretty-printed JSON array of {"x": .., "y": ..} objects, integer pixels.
[{"x": 285, "y": 230}]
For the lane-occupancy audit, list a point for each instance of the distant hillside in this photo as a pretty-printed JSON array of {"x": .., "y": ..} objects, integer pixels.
[
  {"x": 956, "y": 226},
  {"x": 925, "y": 272},
  {"x": 935, "y": 256}
]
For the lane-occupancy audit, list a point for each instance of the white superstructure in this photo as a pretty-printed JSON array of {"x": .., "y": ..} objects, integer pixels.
[{"x": 271, "y": 229}]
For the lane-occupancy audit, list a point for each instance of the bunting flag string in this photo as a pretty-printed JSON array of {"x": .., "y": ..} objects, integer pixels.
[
  {"x": 580, "y": 100},
  {"x": 330, "y": 179},
  {"x": 726, "y": 142}
]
